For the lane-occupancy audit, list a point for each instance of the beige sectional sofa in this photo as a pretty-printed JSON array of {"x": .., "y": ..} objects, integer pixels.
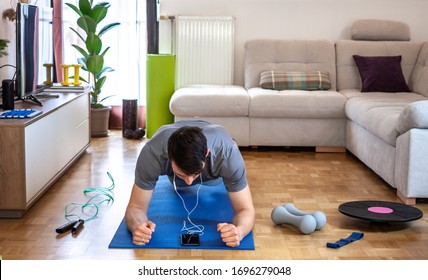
[{"x": 388, "y": 131}]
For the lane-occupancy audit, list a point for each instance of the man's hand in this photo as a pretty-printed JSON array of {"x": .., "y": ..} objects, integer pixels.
[
  {"x": 136, "y": 216},
  {"x": 143, "y": 233},
  {"x": 229, "y": 234},
  {"x": 243, "y": 218}
]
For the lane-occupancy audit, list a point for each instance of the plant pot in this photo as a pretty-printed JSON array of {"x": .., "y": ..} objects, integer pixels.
[{"x": 99, "y": 121}]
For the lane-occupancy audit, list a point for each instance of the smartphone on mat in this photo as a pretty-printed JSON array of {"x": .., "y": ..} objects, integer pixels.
[{"x": 190, "y": 240}]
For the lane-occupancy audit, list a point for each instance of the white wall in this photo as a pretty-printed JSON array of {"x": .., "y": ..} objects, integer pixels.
[
  {"x": 298, "y": 19},
  {"x": 288, "y": 19}
]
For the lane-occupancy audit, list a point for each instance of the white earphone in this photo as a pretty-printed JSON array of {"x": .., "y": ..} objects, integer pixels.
[{"x": 194, "y": 229}]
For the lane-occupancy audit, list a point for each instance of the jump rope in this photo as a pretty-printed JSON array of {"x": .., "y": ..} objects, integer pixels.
[
  {"x": 99, "y": 196},
  {"x": 90, "y": 209}
]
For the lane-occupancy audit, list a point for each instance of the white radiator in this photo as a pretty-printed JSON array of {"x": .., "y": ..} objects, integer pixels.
[{"x": 204, "y": 49}]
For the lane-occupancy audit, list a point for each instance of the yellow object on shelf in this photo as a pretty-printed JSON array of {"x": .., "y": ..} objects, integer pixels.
[
  {"x": 48, "y": 67},
  {"x": 76, "y": 67},
  {"x": 65, "y": 69}
]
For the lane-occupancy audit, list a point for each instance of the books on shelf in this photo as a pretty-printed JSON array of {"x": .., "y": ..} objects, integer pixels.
[{"x": 57, "y": 87}]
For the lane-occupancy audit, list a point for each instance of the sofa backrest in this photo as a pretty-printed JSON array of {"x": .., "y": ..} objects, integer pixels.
[
  {"x": 348, "y": 76},
  {"x": 419, "y": 79},
  {"x": 288, "y": 55}
]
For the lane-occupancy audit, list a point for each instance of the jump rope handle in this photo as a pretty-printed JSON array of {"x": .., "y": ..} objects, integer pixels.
[{"x": 66, "y": 227}]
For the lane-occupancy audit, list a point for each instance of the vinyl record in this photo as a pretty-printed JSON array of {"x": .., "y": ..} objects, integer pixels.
[{"x": 380, "y": 211}]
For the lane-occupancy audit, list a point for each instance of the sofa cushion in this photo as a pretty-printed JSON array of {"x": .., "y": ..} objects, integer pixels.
[
  {"x": 281, "y": 80},
  {"x": 380, "y": 30},
  {"x": 356, "y": 92},
  {"x": 381, "y": 73},
  {"x": 347, "y": 71},
  {"x": 418, "y": 80},
  {"x": 300, "y": 104},
  {"x": 210, "y": 101},
  {"x": 414, "y": 115},
  {"x": 379, "y": 112},
  {"x": 288, "y": 55}
]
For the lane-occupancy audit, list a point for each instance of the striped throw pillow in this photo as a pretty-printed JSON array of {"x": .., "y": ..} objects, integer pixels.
[{"x": 279, "y": 80}]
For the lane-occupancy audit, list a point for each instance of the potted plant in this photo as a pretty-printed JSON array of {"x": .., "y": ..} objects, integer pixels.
[
  {"x": 3, "y": 47},
  {"x": 90, "y": 16}
]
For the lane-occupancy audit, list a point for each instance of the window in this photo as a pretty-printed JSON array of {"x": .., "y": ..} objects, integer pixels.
[{"x": 128, "y": 48}]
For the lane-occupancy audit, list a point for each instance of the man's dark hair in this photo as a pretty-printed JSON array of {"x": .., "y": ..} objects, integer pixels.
[{"x": 187, "y": 147}]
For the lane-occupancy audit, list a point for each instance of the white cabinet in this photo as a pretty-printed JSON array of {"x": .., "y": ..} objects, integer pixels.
[{"x": 40, "y": 150}]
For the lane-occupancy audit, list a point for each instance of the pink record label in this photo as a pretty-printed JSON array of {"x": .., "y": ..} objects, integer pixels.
[{"x": 380, "y": 210}]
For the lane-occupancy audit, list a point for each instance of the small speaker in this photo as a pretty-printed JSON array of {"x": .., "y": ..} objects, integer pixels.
[{"x": 8, "y": 94}]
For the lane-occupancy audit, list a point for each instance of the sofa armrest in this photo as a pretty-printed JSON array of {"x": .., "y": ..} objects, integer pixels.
[{"x": 414, "y": 115}]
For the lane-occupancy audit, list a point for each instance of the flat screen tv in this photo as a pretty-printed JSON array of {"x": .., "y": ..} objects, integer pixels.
[{"x": 34, "y": 47}]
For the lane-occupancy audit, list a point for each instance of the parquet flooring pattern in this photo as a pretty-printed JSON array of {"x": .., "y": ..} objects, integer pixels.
[{"x": 312, "y": 181}]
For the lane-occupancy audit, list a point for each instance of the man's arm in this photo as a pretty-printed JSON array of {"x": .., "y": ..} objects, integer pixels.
[
  {"x": 243, "y": 219},
  {"x": 136, "y": 215}
]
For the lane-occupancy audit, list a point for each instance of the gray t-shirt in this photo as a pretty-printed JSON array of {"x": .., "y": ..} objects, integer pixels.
[{"x": 224, "y": 160}]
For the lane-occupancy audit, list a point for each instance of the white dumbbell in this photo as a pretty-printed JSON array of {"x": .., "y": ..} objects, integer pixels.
[
  {"x": 318, "y": 215},
  {"x": 306, "y": 224}
]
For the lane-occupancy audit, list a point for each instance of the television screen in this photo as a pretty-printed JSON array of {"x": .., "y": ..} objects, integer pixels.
[{"x": 34, "y": 47}]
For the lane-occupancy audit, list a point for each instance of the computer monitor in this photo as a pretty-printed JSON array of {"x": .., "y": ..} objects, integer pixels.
[{"x": 34, "y": 47}]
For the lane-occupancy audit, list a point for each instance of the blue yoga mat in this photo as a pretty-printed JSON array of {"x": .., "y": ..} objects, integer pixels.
[{"x": 166, "y": 210}]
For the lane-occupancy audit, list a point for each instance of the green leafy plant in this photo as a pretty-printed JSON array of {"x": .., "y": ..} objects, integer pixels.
[
  {"x": 90, "y": 16},
  {"x": 3, "y": 46}
]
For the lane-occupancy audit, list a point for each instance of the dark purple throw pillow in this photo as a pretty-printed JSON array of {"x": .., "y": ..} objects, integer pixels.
[{"x": 381, "y": 73}]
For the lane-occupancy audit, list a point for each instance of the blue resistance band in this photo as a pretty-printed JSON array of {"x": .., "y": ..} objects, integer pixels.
[{"x": 345, "y": 241}]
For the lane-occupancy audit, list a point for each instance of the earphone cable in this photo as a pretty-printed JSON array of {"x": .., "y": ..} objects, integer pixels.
[{"x": 194, "y": 229}]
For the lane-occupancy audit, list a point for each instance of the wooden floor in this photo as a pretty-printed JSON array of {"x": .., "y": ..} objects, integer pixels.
[{"x": 312, "y": 181}]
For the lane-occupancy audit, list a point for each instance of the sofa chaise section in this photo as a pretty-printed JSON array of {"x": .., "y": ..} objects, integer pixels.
[
  {"x": 411, "y": 169},
  {"x": 373, "y": 117}
]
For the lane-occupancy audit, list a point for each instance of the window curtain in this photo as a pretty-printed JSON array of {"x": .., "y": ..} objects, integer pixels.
[
  {"x": 127, "y": 53},
  {"x": 152, "y": 27}
]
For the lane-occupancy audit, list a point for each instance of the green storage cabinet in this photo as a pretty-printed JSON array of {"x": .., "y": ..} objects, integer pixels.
[{"x": 160, "y": 85}]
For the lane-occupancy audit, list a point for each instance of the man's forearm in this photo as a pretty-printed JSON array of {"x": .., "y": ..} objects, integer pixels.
[
  {"x": 134, "y": 217},
  {"x": 136, "y": 211},
  {"x": 244, "y": 222}
]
